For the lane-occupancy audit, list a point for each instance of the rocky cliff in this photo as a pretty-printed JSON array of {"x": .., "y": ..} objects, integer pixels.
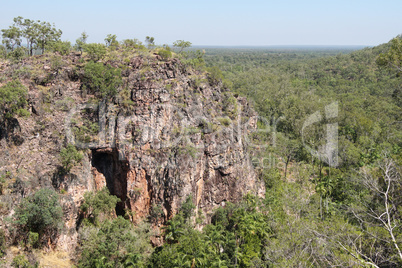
[{"x": 170, "y": 132}]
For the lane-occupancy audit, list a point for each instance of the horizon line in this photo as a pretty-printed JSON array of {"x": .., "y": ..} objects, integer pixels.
[{"x": 281, "y": 46}]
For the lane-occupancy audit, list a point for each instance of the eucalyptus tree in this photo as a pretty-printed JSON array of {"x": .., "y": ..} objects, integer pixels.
[
  {"x": 81, "y": 42},
  {"x": 11, "y": 37},
  {"x": 38, "y": 34}
]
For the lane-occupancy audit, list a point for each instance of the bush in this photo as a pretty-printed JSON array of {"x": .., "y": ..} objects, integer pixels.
[
  {"x": 133, "y": 43},
  {"x": 3, "y": 52},
  {"x": 69, "y": 157},
  {"x": 95, "y": 51},
  {"x": 40, "y": 213},
  {"x": 101, "y": 80},
  {"x": 62, "y": 47},
  {"x": 115, "y": 244},
  {"x": 214, "y": 75},
  {"x": 33, "y": 239},
  {"x": 230, "y": 106},
  {"x": 225, "y": 121},
  {"x": 3, "y": 243},
  {"x": 13, "y": 96},
  {"x": 20, "y": 261},
  {"x": 56, "y": 63},
  {"x": 97, "y": 204},
  {"x": 165, "y": 54},
  {"x": 18, "y": 53}
]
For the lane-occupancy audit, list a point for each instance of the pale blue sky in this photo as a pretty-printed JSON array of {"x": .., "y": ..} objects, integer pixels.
[{"x": 254, "y": 23}]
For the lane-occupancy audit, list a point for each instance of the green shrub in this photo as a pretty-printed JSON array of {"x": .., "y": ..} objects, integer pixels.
[
  {"x": 33, "y": 239},
  {"x": 56, "y": 63},
  {"x": 133, "y": 43},
  {"x": 86, "y": 127},
  {"x": 187, "y": 208},
  {"x": 156, "y": 213},
  {"x": 95, "y": 51},
  {"x": 65, "y": 104},
  {"x": 21, "y": 261},
  {"x": 2, "y": 184},
  {"x": 40, "y": 213},
  {"x": 194, "y": 59},
  {"x": 214, "y": 75},
  {"x": 225, "y": 121},
  {"x": 111, "y": 41},
  {"x": 114, "y": 244},
  {"x": 98, "y": 205},
  {"x": 165, "y": 54},
  {"x": 70, "y": 157},
  {"x": 13, "y": 96},
  {"x": 3, "y": 52},
  {"x": 101, "y": 80},
  {"x": 62, "y": 47},
  {"x": 230, "y": 106},
  {"x": 18, "y": 53},
  {"x": 3, "y": 243},
  {"x": 22, "y": 72}
]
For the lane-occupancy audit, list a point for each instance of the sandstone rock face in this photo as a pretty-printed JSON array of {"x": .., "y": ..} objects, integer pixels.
[{"x": 181, "y": 135}]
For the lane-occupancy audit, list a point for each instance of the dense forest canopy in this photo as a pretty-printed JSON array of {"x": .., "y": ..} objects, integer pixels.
[{"x": 316, "y": 213}]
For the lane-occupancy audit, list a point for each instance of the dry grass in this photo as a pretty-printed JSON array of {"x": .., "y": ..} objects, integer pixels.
[{"x": 54, "y": 259}]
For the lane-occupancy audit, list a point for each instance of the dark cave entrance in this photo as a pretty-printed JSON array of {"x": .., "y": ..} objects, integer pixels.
[{"x": 115, "y": 172}]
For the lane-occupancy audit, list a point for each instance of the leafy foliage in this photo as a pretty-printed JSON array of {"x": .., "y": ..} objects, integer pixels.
[
  {"x": 81, "y": 42},
  {"x": 114, "y": 244},
  {"x": 3, "y": 52},
  {"x": 340, "y": 208},
  {"x": 61, "y": 47},
  {"x": 393, "y": 57},
  {"x": 111, "y": 41},
  {"x": 13, "y": 98},
  {"x": 70, "y": 157},
  {"x": 98, "y": 205},
  {"x": 235, "y": 237},
  {"x": 95, "y": 51},
  {"x": 133, "y": 43},
  {"x": 3, "y": 243},
  {"x": 150, "y": 41},
  {"x": 101, "y": 80},
  {"x": 38, "y": 34},
  {"x": 165, "y": 54},
  {"x": 21, "y": 261},
  {"x": 181, "y": 45},
  {"x": 11, "y": 37},
  {"x": 40, "y": 213},
  {"x": 107, "y": 241}
]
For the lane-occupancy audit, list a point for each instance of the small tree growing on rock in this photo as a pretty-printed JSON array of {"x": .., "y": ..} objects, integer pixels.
[
  {"x": 69, "y": 157},
  {"x": 13, "y": 98},
  {"x": 40, "y": 213},
  {"x": 95, "y": 51},
  {"x": 98, "y": 205},
  {"x": 101, "y": 80},
  {"x": 81, "y": 42}
]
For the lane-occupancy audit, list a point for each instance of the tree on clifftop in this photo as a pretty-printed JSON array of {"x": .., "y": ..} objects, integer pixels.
[
  {"x": 81, "y": 42},
  {"x": 150, "y": 41},
  {"x": 11, "y": 37},
  {"x": 181, "y": 44},
  {"x": 38, "y": 34}
]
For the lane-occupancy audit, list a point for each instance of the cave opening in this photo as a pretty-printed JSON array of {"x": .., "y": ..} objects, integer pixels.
[{"x": 115, "y": 172}]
